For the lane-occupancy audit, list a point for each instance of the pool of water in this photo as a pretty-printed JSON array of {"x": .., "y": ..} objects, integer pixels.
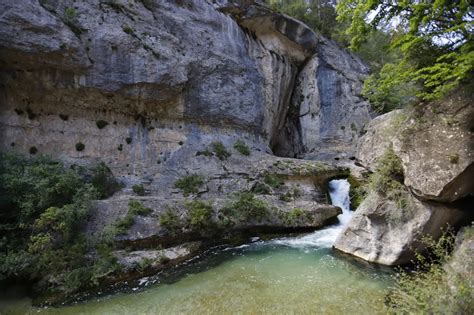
[{"x": 284, "y": 276}]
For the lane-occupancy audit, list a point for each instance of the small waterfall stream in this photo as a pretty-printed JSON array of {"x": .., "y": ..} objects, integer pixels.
[{"x": 339, "y": 193}]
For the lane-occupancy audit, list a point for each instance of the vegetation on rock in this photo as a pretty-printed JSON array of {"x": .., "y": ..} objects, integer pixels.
[
  {"x": 435, "y": 42},
  {"x": 139, "y": 190},
  {"x": 170, "y": 220},
  {"x": 273, "y": 180},
  {"x": 246, "y": 207},
  {"x": 240, "y": 146},
  {"x": 200, "y": 214},
  {"x": 43, "y": 208},
  {"x": 432, "y": 287},
  {"x": 189, "y": 184},
  {"x": 134, "y": 208},
  {"x": 220, "y": 151}
]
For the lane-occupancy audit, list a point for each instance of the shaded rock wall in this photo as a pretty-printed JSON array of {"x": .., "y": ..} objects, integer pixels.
[{"x": 327, "y": 112}]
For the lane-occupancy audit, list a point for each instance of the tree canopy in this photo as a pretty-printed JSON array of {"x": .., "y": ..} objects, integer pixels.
[{"x": 434, "y": 37}]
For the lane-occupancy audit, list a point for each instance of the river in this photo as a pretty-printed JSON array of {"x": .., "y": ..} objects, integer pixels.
[{"x": 290, "y": 275}]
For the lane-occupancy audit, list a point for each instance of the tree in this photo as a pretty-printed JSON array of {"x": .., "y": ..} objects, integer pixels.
[
  {"x": 319, "y": 15},
  {"x": 434, "y": 37}
]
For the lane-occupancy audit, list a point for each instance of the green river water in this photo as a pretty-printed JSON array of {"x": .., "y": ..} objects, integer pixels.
[{"x": 293, "y": 275}]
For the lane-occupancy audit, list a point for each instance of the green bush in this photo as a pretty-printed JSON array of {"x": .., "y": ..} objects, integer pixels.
[
  {"x": 454, "y": 158},
  {"x": 294, "y": 215},
  {"x": 200, "y": 214},
  {"x": 189, "y": 184},
  {"x": 261, "y": 189},
  {"x": 136, "y": 208},
  {"x": 33, "y": 150},
  {"x": 104, "y": 181},
  {"x": 170, "y": 220},
  {"x": 241, "y": 147},
  {"x": 429, "y": 288},
  {"x": 220, "y": 151},
  {"x": 247, "y": 208},
  {"x": 273, "y": 180},
  {"x": 139, "y": 190},
  {"x": 43, "y": 209}
]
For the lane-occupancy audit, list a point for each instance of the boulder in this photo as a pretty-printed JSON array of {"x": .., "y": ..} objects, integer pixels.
[
  {"x": 435, "y": 143},
  {"x": 383, "y": 232}
]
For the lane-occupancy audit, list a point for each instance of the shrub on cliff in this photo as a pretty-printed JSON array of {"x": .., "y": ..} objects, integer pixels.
[
  {"x": 220, "y": 151},
  {"x": 245, "y": 207},
  {"x": 43, "y": 209},
  {"x": 243, "y": 149},
  {"x": 200, "y": 214},
  {"x": 432, "y": 288},
  {"x": 189, "y": 184}
]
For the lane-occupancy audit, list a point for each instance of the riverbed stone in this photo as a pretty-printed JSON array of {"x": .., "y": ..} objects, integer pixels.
[{"x": 383, "y": 232}]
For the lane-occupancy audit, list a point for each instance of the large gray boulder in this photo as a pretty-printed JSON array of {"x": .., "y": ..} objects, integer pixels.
[
  {"x": 435, "y": 143},
  {"x": 383, "y": 232}
]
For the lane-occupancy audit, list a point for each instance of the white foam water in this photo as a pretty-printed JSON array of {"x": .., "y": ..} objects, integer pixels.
[{"x": 339, "y": 193}]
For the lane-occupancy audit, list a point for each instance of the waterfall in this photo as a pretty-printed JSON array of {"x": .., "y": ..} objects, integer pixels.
[{"x": 339, "y": 193}]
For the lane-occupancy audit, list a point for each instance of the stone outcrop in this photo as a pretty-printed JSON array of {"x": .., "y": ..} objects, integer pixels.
[
  {"x": 383, "y": 232},
  {"x": 327, "y": 112},
  {"x": 435, "y": 145}
]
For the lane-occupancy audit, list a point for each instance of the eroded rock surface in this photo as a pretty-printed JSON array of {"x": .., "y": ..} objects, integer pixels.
[
  {"x": 383, "y": 232},
  {"x": 435, "y": 144}
]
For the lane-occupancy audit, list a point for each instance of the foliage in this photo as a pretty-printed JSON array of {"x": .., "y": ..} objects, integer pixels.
[
  {"x": 317, "y": 14},
  {"x": 294, "y": 215},
  {"x": 261, "y": 189},
  {"x": 220, "y": 151},
  {"x": 273, "y": 180},
  {"x": 170, "y": 220},
  {"x": 70, "y": 14},
  {"x": 247, "y": 208},
  {"x": 357, "y": 192},
  {"x": 139, "y": 190},
  {"x": 290, "y": 195},
  {"x": 429, "y": 289},
  {"x": 434, "y": 37},
  {"x": 43, "y": 208},
  {"x": 104, "y": 181},
  {"x": 240, "y": 146},
  {"x": 189, "y": 184},
  {"x": 389, "y": 173},
  {"x": 200, "y": 214},
  {"x": 134, "y": 208}
]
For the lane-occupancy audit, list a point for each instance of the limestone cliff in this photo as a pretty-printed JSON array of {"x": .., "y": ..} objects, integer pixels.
[{"x": 161, "y": 91}]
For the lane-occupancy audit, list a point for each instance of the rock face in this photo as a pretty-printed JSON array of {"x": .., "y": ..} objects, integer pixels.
[
  {"x": 382, "y": 232},
  {"x": 163, "y": 90},
  {"x": 327, "y": 110},
  {"x": 163, "y": 75},
  {"x": 434, "y": 143}
]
